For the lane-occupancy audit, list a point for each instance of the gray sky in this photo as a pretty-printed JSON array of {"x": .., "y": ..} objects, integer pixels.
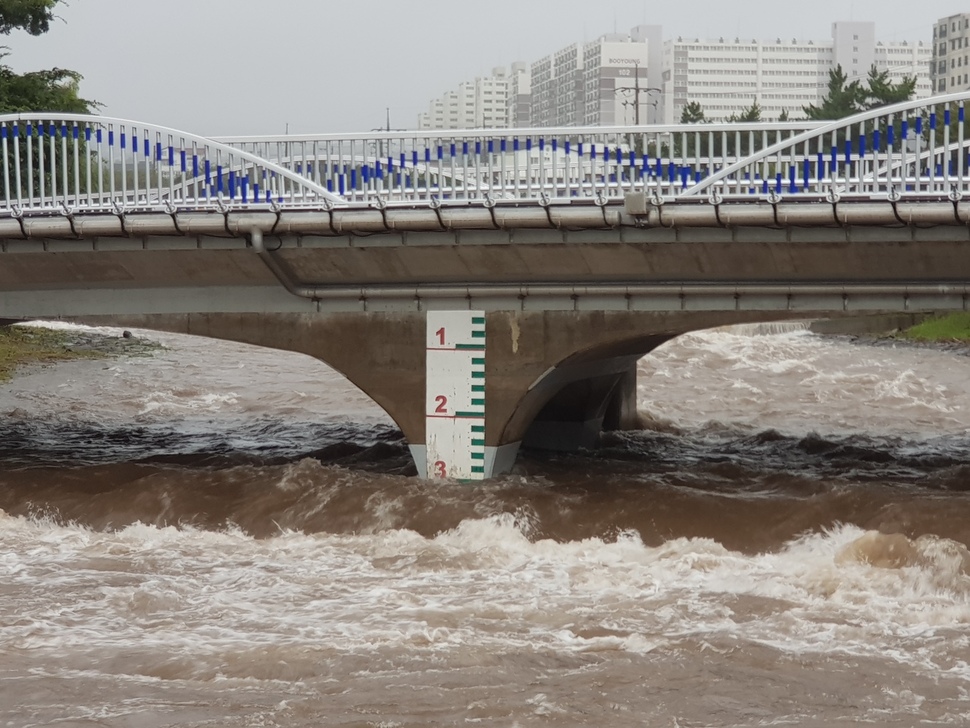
[{"x": 255, "y": 66}]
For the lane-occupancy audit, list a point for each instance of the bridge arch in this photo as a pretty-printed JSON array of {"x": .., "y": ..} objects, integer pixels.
[
  {"x": 858, "y": 154},
  {"x": 55, "y": 161}
]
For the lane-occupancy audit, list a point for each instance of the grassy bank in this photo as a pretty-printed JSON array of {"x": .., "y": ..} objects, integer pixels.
[
  {"x": 20, "y": 345},
  {"x": 953, "y": 328}
]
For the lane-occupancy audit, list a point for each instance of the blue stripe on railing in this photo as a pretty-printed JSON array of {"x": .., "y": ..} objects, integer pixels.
[
  {"x": 464, "y": 148},
  {"x": 182, "y": 160},
  {"x": 414, "y": 158},
  {"x": 158, "y": 151},
  {"x": 256, "y": 192},
  {"x": 961, "y": 113},
  {"x": 890, "y": 136},
  {"x": 365, "y": 173},
  {"x": 932, "y": 120},
  {"x": 847, "y": 154},
  {"x": 905, "y": 129},
  {"x": 555, "y": 145},
  {"x": 919, "y": 125},
  {"x": 427, "y": 156},
  {"x": 491, "y": 146},
  {"x": 606, "y": 153},
  {"x": 195, "y": 165},
  {"x": 171, "y": 156},
  {"x": 862, "y": 146},
  {"x": 528, "y": 144},
  {"x": 244, "y": 189},
  {"x": 946, "y": 116},
  {"x": 404, "y": 160},
  {"x": 378, "y": 171},
  {"x": 504, "y": 145},
  {"x": 441, "y": 152},
  {"x": 542, "y": 144},
  {"x": 792, "y": 187},
  {"x": 592, "y": 151},
  {"x": 219, "y": 181},
  {"x": 764, "y": 187},
  {"x": 390, "y": 165},
  {"x": 353, "y": 179},
  {"x": 566, "y": 146},
  {"x": 122, "y": 141},
  {"x": 75, "y": 132},
  {"x": 342, "y": 185},
  {"x": 208, "y": 172},
  {"x": 147, "y": 148},
  {"x": 478, "y": 147},
  {"x": 876, "y": 140},
  {"x": 329, "y": 187},
  {"x": 834, "y": 158},
  {"x": 805, "y": 176},
  {"x": 99, "y": 135},
  {"x": 579, "y": 150}
]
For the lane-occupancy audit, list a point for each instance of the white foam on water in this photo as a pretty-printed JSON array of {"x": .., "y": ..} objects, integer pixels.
[
  {"x": 797, "y": 383},
  {"x": 201, "y": 604}
]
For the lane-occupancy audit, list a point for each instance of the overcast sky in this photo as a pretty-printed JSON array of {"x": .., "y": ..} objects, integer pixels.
[{"x": 216, "y": 67}]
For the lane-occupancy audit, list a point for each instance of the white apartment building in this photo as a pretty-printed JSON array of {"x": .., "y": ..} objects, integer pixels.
[
  {"x": 623, "y": 79},
  {"x": 519, "y": 99},
  {"x": 950, "y": 68},
  {"x": 727, "y": 76},
  {"x": 479, "y": 104}
]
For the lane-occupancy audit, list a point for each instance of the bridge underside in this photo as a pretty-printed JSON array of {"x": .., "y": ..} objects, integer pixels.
[
  {"x": 554, "y": 380},
  {"x": 567, "y": 313}
]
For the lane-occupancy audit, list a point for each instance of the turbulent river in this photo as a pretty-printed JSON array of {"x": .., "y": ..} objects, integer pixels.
[{"x": 218, "y": 535}]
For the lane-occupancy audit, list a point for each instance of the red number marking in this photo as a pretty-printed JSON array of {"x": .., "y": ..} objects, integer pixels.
[
  {"x": 440, "y": 469},
  {"x": 442, "y": 408},
  {"x": 440, "y": 333}
]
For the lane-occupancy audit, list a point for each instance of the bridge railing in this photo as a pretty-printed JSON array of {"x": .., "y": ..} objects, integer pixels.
[
  {"x": 914, "y": 148},
  {"x": 523, "y": 164},
  {"x": 65, "y": 162}
]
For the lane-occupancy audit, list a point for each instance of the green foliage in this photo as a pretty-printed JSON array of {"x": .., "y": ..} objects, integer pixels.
[
  {"x": 33, "y": 16},
  {"x": 750, "y": 114},
  {"x": 784, "y": 115},
  {"x": 845, "y": 98},
  {"x": 955, "y": 327},
  {"x": 882, "y": 92},
  {"x": 56, "y": 89},
  {"x": 692, "y": 113}
]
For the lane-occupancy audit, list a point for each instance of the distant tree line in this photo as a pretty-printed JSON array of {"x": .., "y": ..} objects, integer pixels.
[{"x": 843, "y": 98}]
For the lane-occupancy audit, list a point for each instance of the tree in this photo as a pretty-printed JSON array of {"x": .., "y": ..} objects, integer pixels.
[
  {"x": 883, "y": 92},
  {"x": 784, "y": 115},
  {"x": 692, "y": 113},
  {"x": 843, "y": 99},
  {"x": 33, "y": 16},
  {"x": 56, "y": 89},
  {"x": 750, "y": 114}
]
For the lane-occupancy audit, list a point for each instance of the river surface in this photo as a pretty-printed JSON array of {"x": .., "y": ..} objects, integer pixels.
[{"x": 219, "y": 535}]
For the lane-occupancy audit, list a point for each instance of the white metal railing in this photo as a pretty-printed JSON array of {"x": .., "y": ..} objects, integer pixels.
[
  {"x": 71, "y": 162},
  {"x": 912, "y": 149},
  {"x": 564, "y": 162}
]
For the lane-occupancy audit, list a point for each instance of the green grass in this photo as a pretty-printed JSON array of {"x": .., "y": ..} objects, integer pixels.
[
  {"x": 20, "y": 345},
  {"x": 953, "y": 327}
]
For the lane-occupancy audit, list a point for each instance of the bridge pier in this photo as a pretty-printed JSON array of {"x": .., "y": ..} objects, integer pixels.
[{"x": 553, "y": 379}]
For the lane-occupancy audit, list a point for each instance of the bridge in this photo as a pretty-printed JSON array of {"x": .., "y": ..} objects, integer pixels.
[{"x": 488, "y": 288}]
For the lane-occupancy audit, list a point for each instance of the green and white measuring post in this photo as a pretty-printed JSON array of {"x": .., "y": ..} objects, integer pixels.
[{"x": 455, "y": 399}]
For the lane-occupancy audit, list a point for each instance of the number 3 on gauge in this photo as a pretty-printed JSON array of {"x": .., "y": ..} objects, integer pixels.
[{"x": 440, "y": 469}]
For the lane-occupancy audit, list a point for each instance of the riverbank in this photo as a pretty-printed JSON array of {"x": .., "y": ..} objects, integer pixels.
[
  {"x": 949, "y": 332},
  {"x": 22, "y": 346}
]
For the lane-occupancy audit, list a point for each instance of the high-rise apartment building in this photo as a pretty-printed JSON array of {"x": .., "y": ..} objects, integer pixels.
[
  {"x": 638, "y": 78},
  {"x": 950, "y": 68},
  {"x": 479, "y": 104},
  {"x": 726, "y": 77}
]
